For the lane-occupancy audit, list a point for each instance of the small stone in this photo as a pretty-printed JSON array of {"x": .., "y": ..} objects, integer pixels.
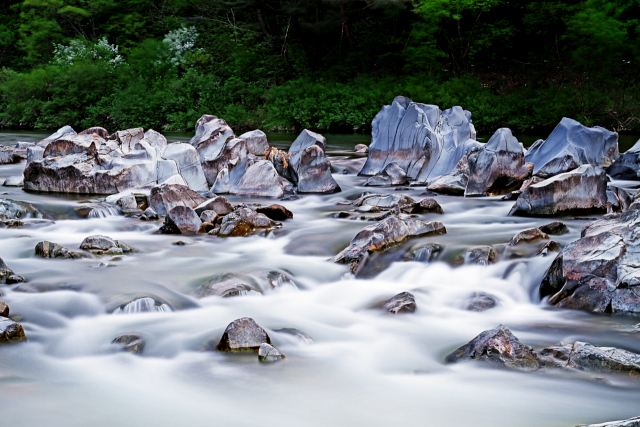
[
  {"x": 427, "y": 205},
  {"x": 130, "y": 343},
  {"x": 53, "y": 250},
  {"x": 268, "y": 353},
  {"x": 528, "y": 236},
  {"x": 149, "y": 214},
  {"x": 404, "y": 302},
  {"x": 361, "y": 148},
  {"x": 275, "y": 212},
  {"x": 555, "y": 227},
  {"x": 15, "y": 278},
  {"x": 183, "y": 243},
  {"x": 243, "y": 334}
]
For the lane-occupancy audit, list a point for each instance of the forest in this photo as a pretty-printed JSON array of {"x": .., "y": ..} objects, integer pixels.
[{"x": 325, "y": 65}]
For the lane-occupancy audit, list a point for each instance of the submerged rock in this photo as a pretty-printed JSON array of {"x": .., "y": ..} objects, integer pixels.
[
  {"x": 165, "y": 197},
  {"x": 309, "y": 166},
  {"x": 384, "y": 201},
  {"x": 571, "y": 145},
  {"x": 130, "y": 343},
  {"x": 4, "y": 269},
  {"x": 404, "y": 302},
  {"x": 268, "y": 353},
  {"x": 275, "y": 212},
  {"x": 104, "y": 245},
  {"x": 226, "y": 285},
  {"x": 143, "y": 305},
  {"x": 243, "y": 334},
  {"x": 627, "y": 166},
  {"x": 4, "y": 309},
  {"x": 243, "y": 221},
  {"x": 481, "y": 255},
  {"x": 392, "y": 174},
  {"x": 11, "y": 331},
  {"x": 528, "y": 236},
  {"x": 15, "y": 278},
  {"x": 579, "y": 192},
  {"x": 631, "y": 422},
  {"x": 53, "y": 250},
  {"x": 379, "y": 237},
  {"x": 427, "y": 205},
  {"x": 424, "y": 252},
  {"x": 548, "y": 247},
  {"x": 481, "y": 301},
  {"x": 11, "y": 209}
]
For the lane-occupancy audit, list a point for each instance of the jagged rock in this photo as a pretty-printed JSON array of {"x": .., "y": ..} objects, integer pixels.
[
  {"x": 11, "y": 331},
  {"x": 500, "y": 346},
  {"x": 184, "y": 160},
  {"x": 34, "y": 153},
  {"x": 598, "y": 273},
  {"x": 4, "y": 269},
  {"x": 618, "y": 200},
  {"x": 275, "y": 212},
  {"x": 242, "y": 222},
  {"x": 143, "y": 305},
  {"x": 571, "y": 145},
  {"x": 100, "y": 131},
  {"x": 260, "y": 179},
  {"x": 511, "y": 195},
  {"x": 218, "y": 204},
  {"x": 404, "y": 302},
  {"x": 631, "y": 422},
  {"x": 14, "y": 279},
  {"x": 579, "y": 192},
  {"x": 383, "y": 201},
  {"x": 453, "y": 185},
  {"x": 225, "y": 171},
  {"x": 53, "y": 250},
  {"x": 309, "y": 167},
  {"x": 208, "y": 216},
  {"x": 427, "y": 205},
  {"x": 14, "y": 181},
  {"x": 481, "y": 301},
  {"x": 498, "y": 167},
  {"x": 11, "y": 209},
  {"x": 555, "y": 228},
  {"x": 243, "y": 334},
  {"x": 392, "y": 174},
  {"x": 482, "y": 255},
  {"x": 149, "y": 215},
  {"x": 548, "y": 247},
  {"x": 379, "y": 237},
  {"x": 583, "y": 356},
  {"x": 7, "y": 156},
  {"x": 182, "y": 220},
  {"x": 130, "y": 343},
  {"x": 627, "y": 166},
  {"x": 529, "y": 235},
  {"x": 423, "y": 252},
  {"x": 302, "y": 336},
  {"x": 4, "y": 309},
  {"x": 268, "y": 353},
  {"x": 104, "y": 245},
  {"x": 257, "y": 142},
  {"x": 165, "y": 197},
  {"x": 533, "y": 180},
  {"x": 65, "y": 130},
  {"x": 211, "y": 135},
  {"x": 156, "y": 140},
  {"x": 361, "y": 148}
]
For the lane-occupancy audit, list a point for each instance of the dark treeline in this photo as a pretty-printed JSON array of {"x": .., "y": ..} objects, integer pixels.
[{"x": 327, "y": 65}]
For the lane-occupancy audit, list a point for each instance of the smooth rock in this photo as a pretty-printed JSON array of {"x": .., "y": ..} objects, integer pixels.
[
  {"x": 618, "y": 200},
  {"x": 227, "y": 285},
  {"x": 481, "y": 255},
  {"x": 453, "y": 185},
  {"x": 59, "y": 133},
  {"x": 219, "y": 204},
  {"x": 260, "y": 179},
  {"x": 7, "y": 156},
  {"x": 11, "y": 209},
  {"x": 100, "y": 131},
  {"x": 529, "y": 235},
  {"x": 182, "y": 220},
  {"x": 103, "y": 244},
  {"x": 257, "y": 142},
  {"x": 392, "y": 174},
  {"x": 211, "y": 135},
  {"x": 4, "y": 309},
  {"x": 309, "y": 166},
  {"x": 427, "y": 205},
  {"x": 15, "y": 278},
  {"x": 268, "y": 353},
  {"x": 383, "y": 201},
  {"x": 555, "y": 228},
  {"x": 631, "y": 422},
  {"x": 11, "y": 331},
  {"x": 243, "y": 221},
  {"x": 187, "y": 162},
  {"x": 481, "y": 301},
  {"x": 14, "y": 181},
  {"x": 361, "y": 148},
  {"x": 627, "y": 166},
  {"x": 548, "y": 247},
  {"x": 130, "y": 343},
  {"x": 149, "y": 214},
  {"x": 225, "y": 171},
  {"x": 404, "y": 302},
  {"x": 583, "y": 356},
  {"x": 208, "y": 216},
  {"x": 275, "y": 212},
  {"x": 165, "y": 197},
  {"x": 243, "y": 334},
  {"x": 143, "y": 305},
  {"x": 4, "y": 269},
  {"x": 53, "y": 250},
  {"x": 302, "y": 336}
]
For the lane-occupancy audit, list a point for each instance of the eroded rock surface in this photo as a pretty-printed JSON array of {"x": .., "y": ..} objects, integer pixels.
[
  {"x": 627, "y": 166},
  {"x": 10, "y": 209},
  {"x": 404, "y": 302},
  {"x": 309, "y": 166},
  {"x": 165, "y": 197}
]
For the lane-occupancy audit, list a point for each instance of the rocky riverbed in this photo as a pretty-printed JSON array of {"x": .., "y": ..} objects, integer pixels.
[{"x": 233, "y": 279}]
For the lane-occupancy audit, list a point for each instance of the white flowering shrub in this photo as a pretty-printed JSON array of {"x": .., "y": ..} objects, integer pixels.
[
  {"x": 181, "y": 42},
  {"x": 77, "y": 50}
]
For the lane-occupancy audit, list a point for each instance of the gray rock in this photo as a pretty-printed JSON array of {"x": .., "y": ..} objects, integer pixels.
[
  {"x": 8, "y": 156},
  {"x": 310, "y": 169},
  {"x": 275, "y": 212},
  {"x": 582, "y": 191},
  {"x": 361, "y": 148},
  {"x": 165, "y": 197},
  {"x": 99, "y": 244},
  {"x": 211, "y": 135},
  {"x": 53, "y": 250},
  {"x": 156, "y": 140},
  {"x": 383, "y": 235},
  {"x": 548, "y": 247},
  {"x": 453, "y": 185},
  {"x": 243, "y": 221},
  {"x": 529, "y": 235},
  {"x": 555, "y": 228},
  {"x": 11, "y": 331},
  {"x": 14, "y": 181},
  {"x": 34, "y": 153},
  {"x": 631, "y": 422},
  {"x": 149, "y": 214},
  {"x": 182, "y": 220},
  {"x": 208, "y": 216},
  {"x": 618, "y": 200},
  {"x": 598, "y": 273},
  {"x": 481, "y": 301},
  {"x": 392, "y": 174},
  {"x": 302, "y": 336},
  {"x": 100, "y": 131},
  {"x": 424, "y": 252},
  {"x": 268, "y": 353},
  {"x": 404, "y": 302},
  {"x": 498, "y": 167},
  {"x": 243, "y": 334},
  {"x": 257, "y": 142},
  {"x": 59, "y": 133},
  {"x": 187, "y": 163},
  {"x": 499, "y": 346},
  {"x": 15, "y": 278},
  {"x": 4, "y": 309},
  {"x": 11, "y": 209},
  {"x": 225, "y": 170},
  {"x": 583, "y": 356},
  {"x": 260, "y": 179},
  {"x": 384, "y": 201},
  {"x": 571, "y": 145},
  {"x": 481, "y": 255},
  {"x": 218, "y": 204},
  {"x": 427, "y": 205},
  {"x": 627, "y": 166},
  {"x": 130, "y": 343}
]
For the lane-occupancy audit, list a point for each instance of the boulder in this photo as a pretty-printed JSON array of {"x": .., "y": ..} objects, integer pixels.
[
  {"x": 4, "y": 269},
  {"x": 361, "y": 148},
  {"x": 243, "y": 334},
  {"x": 268, "y": 353},
  {"x": 309, "y": 167},
  {"x": 4, "y": 309},
  {"x": 404, "y": 302},
  {"x": 627, "y": 166},
  {"x": 149, "y": 214},
  {"x": 481, "y": 255},
  {"x": 529, "y": 235},
  {"x": 99, "y": 244},
  {"x": 53, "y": 250},
  {"x": 257, "y": 143},
  {"x": 598, "y": 273},
  {"x": 392, "y": 174},
  {"x": 211, "y": 135},
  {"x": 582, "y": 191},
  {"x": 165, "y": 197},
  {"x": 11, "y": 331},
  {"x": 208, "y": 216},
  {"x": 275, "y": 212},
  {"x": 427, "y": 205},
  {"x": 453, "y": 185},
  {"x": 260, "y": 179},
  {"x": 226, "y": 170},
  {"x": 59, "y": 133},
  {"x": 143, "y": 305},
  {"x": 34, "y": 153},
  {"x": 571, "y": 145},
  {"x": 7, "y": 156},
  {"x": 243, "y": 221},
  {"x": 548, "y": 247},
  {"x": 618, "y": 200},
  {"x": 384, "y": 201},
  {"x": 381, "y": 236},
  {"x": 219, "y": 204},
  {"x": 11, "y": 209},
  {"x": 97, "y": 130},
  {"x": 499, "y": 346},
  {"x": 555, "y": 228},
  {"x": 182, "y": 220},
  {"x": 187, "y": 165},
  {"x": 130, "y": 343},
  {"x": 424, "y": 252},
  {"x": 481, "y": 301},
  {"x": 582, "y": 356},
  {"x": 14, "y": 181},
  {"x": 498, "y": 167},
  {"x": 156, "y": 140}
]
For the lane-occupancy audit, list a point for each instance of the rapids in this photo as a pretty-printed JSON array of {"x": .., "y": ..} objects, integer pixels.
[{"x": 363, "y": 368}]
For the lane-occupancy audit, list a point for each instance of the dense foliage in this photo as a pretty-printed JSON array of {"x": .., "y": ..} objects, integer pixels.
[{"x": 319, "y": 64}]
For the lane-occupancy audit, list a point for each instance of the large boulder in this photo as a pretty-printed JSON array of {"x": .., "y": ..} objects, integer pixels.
[
  {"x": 498, "y": 167},
  {"x": 165, "y": 197},
  {"x": 65, "y": 130},
  {"x": 309, "y": 166},
  {"x": 211, "y": 135},
  {"x": 225, "y": 170},
  {"x": 186, "y": 162},
  {"x": 11, "y": 209},
  {"x": 130, "y": 343},
  {"x": 571, "y": 145},
  {"x": 260, "y": 179},
  {"x": 243, "y": 334},
  {"x": 627, "y": 166},
  {"x": 582, "y": 191},
  {"x": 455, "y": 181},
  {"x": 598, "y": 273},
  {"x": 257, "y": 143},
  {"x": 381, "y": 236},
  {"x": 11, "y": 331}
]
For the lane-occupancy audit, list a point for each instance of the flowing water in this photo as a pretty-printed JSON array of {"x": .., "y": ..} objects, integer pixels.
[{"x": 363, "y": 368}]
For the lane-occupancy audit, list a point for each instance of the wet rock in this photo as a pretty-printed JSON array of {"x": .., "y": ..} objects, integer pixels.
[
  {"x": 583, "y": 356},
  {"x": 275, "y": 212},
  {"x": 228, "y": 167},
  {"x": 533, "y": 180},
  {"x": 227, "y": 285},
  {"x": 100, "y": 131},
  {"x": 149, "y": 214},
  {"x": 268, "y": 353},
  {"x": 143, "y": 305},
  {"x": 211, "y": 135},
  {"x": 34, "y": 153},
  {"x": 11, "y": 331},
  {"x": 427, "y": 205},
  {"x": 555, "y": 228},
  {"x": 208, "y": 216},
  {"x": 404, "y": 302},
  {"x": 581, "y": 191},
  {"x": 392, "y": 174},
  {"x": 598, "y": 273},
  {"x": 219, "y": 204},
  {"x": 65, "y": 130},
  {"x": 4, "y": 309},
  {"x": 618, "y": 200},
  {"x": 4, "y": 269},
  {"x": 99, "y": 244},
  {"x": 182, "y": 220},
  {"x": 480, "y": 301},
  {"x": 383, "y": 201},
  {"x": 14, "y": 181},
  {"x": 571, "y": 145},
  {"x": 130, "y": 343},
  {"x": 309, "y": 166},
  {"x": 627, "y": 166},
  {"x": 423, "y": 252},
  {"x": 548, "y": 247},
  {"x": 631, "y": 422},
  {"x": 512, "y": 195},
  {"x": 243, "y": 334},
  {"x": 260, "y": 179},
  {"x": 499, "y": 346},
  {"x": 183, "y": 159},
  {"x": 481, "y": 255},
  {"x": 15, "y": 278},
  {"x": 529, "y": 235},
  {"x": 361, "y": 148},
  {"x": 296, "y": 333},
  {"x": 7, "y": 156},
  {"x": 243, "y": 221},
  {"x": 257, "y": 142},
  {"x": 381, "y": 236},
  {"x": 368, "y": 208},
  {"x": 498, "y": 167},
  {"x": 165, "y": 197},
  {"x": 453, "y": 185},
  {"x": 10, "y": 209},
  {"x": 53, "y": 250}
]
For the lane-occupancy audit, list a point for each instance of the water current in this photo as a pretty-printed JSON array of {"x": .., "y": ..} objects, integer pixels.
[{"x": 363, "y": 368}]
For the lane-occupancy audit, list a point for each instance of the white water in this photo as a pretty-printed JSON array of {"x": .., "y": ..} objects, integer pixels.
[{"x": 364, "y": 368}]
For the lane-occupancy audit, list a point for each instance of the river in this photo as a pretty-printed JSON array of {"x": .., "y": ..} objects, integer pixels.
[{"x": 364, "y": 368}]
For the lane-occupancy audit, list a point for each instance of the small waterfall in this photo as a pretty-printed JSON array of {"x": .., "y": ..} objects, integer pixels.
[
  {"x": 143, "y": 305},
  {"x": 425, "y": 254},
  {"x": 104, "y": 211}
]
